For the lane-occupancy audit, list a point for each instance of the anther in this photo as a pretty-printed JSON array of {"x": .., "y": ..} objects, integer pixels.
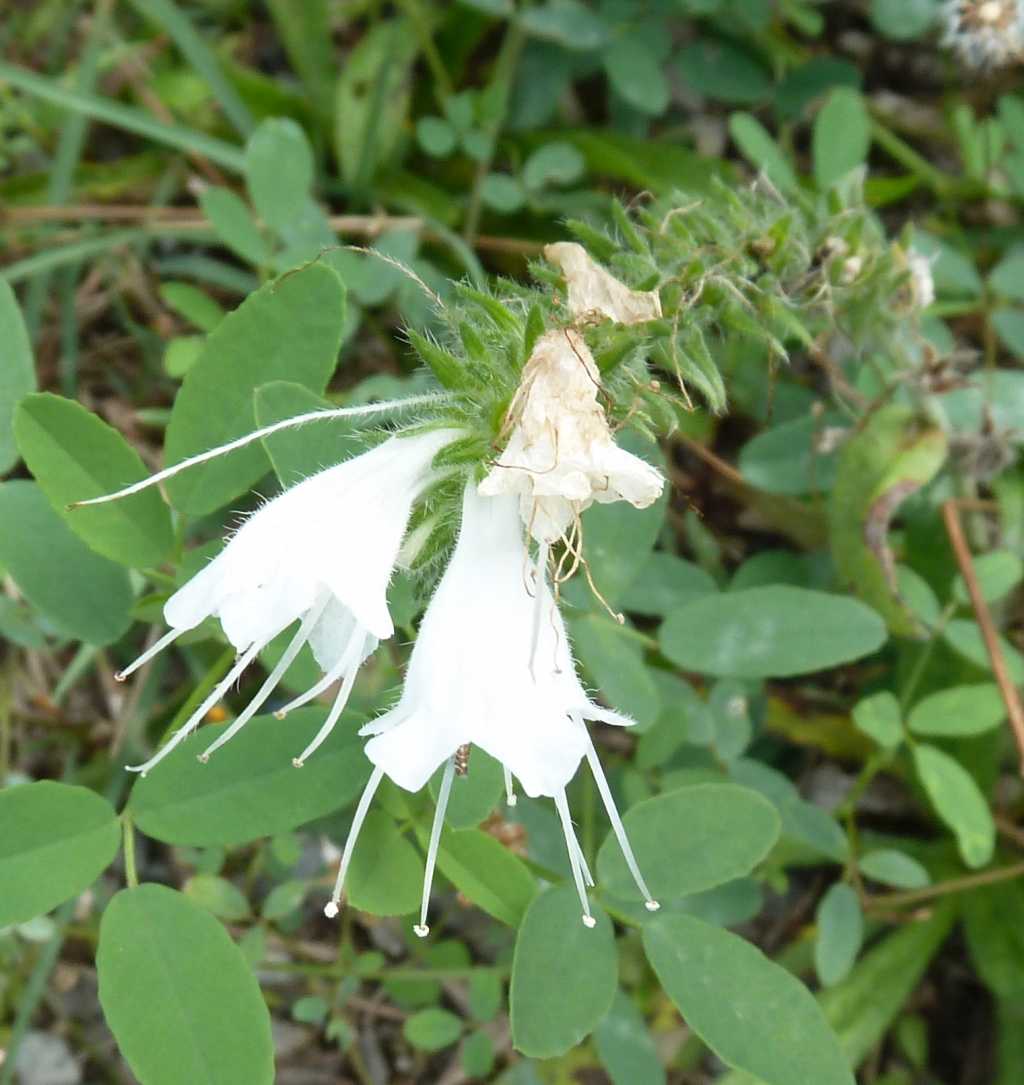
[
  {"x": 298, "y": 762},
  {"x": 421, "y": 930},
  {"x": 120, "y": 676},
  {"x": 331, "y": 909},
  {"x": 651, "y": 905},
  {"x": 280, "y": 715},
  {"x": 203, "y": 758},
  {"x": 589, "y": 921}
]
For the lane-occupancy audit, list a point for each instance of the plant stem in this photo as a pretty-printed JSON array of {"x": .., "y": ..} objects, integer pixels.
[
  {"x": 131, "y": 873},
  {"x": 941, "y": 889}
]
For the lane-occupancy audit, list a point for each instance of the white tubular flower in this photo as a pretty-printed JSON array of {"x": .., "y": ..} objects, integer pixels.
[
  {"x": 594, "y": 291},
  {"x": 561, "y": 456},
  {"x": 322, "y": 554},
  {"x": 491, "y": 667},
  {"x": 985, "y": 33}
]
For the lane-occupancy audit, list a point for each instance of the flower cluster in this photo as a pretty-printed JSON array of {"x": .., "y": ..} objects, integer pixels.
[
  {"x": 985, "y": 33},
  {"x": 492, "y": 665}
]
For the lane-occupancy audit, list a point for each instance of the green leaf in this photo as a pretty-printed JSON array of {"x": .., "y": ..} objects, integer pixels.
[
  {"x": 289, "y": 328},
  {"x": 635, "y": 72},
  {"x": 250, "y": 788},
  {"x": 297, "y": 453},
  {"x": 555, "y": 163},
  {"x": 896, "y": 868},
  {"x": 1009, "y": 325},
  {"x": 503, "y": 193},
  {"x": 752, "y": 1013},
  {"x": 758, "y": 147},
  {"x": 784, "y": 459},
  {"x": 74, "y": 456},
  {"x": 487, "y": 873},
  {"x": 372, "y": 99},
  {"x": 279, "y": 172},
  {"x": 168, "y": 975},
  {"x": 55, "y": 840},
  {"x": 474, "y": 795},
  {"x": 17, "y": 371},
  {"x": 965, "y": 638},
  {"x": 195, "y": 305},
  {"x": 568, "y": 23},
  {"x": 995, "y": 936},
  {"x": 386, "y": 874},
  {"x": 612, "y": 657},
  {"x": 86, "y": 596},
  {"x": 432, "y": 1030},
  {"x": 436, "y": 136},
  {"x": 626, "y": 1047},
  {"x": 842, "y": 136},
  {"x": 664, "y": 583},
  {"x": 234, "y": 225},
  {"x": 840, "y": 934},
  {"x": 959, "y": 803},
  {"x": 959, "y": 710},
  {"x": 724, "y": 71},
  {"x": 770, "y": 632},
  {"x": 1007, "y": 277},
  {"x": 892, "y": 457},
  {"x": 690, "y": 840},
  {"x": 217, "y": 895},
  {"x": 902, "y": 20},
  {"x": 998, "y": 573},
  {"x": 879, "y": 716},
  {"x": 550, "y": 1018}
]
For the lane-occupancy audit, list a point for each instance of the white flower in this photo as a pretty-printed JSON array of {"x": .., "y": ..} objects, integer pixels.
[
  {"x": 922, "y": 282},
  {"x": 491, "y": 667},
  {"x": 594, "y": 291},
  {"x": 985, "y": 33},
  {"x": 322, "y": 554},
  {"x": 561, "y": 456}
]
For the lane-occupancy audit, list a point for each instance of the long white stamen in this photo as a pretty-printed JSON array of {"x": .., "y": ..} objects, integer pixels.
[
  {"x": 421, "y": 929},
  {"x": 333, "y": 906},
  {"x": 268, "y": 687},
  {"x": 562, "y": 806},
  {"x": 617, "y": 827},
  {"x": 300, "y": 419},
  {"x": 539, "y": 585},
  {"x": 326, "y": 682},
  {"x": 193, "y": 721},
  {"x": 154, "y": 649},
  {"x": 339, "y": 703},
  {"x": 510, "y": 789}
]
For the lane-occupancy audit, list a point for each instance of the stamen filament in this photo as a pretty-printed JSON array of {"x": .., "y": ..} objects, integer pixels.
[
  {"x": 333, "y": 906},
  {"x": 562, "y": 806},
  {"x": 339, "y": 703},
  {"x": 310, "y": 416},
  {"x": 617, "y": 827},
  {"x": 153, "y": 650},
  {"x": 510, "y": 789},
  {"x": 193, "y": 721},
  {"x": 421, "y": 929},
  {"x": 326, "y": 682},
  {"x": 268, "y": 687}
]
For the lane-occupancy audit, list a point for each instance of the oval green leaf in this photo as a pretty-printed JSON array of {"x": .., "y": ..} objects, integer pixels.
[
  {"x": 690, "y": 840},
  {"x": 770, "y": 632},
  {"x": 74, "y": 456},
  {"x": 564, "y": 975},
  {"x": 840, "y": 934},
  {"x": 959, "y": 803},
  {"x": 892, "y": 867},
  {"x": 752, "y": 1013},
  {"x": 86, "y": 596},
  {"x": 55, "y": 839},
  {"x": 250, "y": 788},
  {"x": 487, "y": 873},
  {"x": 959, "y": 710},
  {"x": 178, "y": 995},
  {"x": 289, "y": 329},
  {"x": 17, "y": 371},
  {"x": 386, "y": 872}
]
